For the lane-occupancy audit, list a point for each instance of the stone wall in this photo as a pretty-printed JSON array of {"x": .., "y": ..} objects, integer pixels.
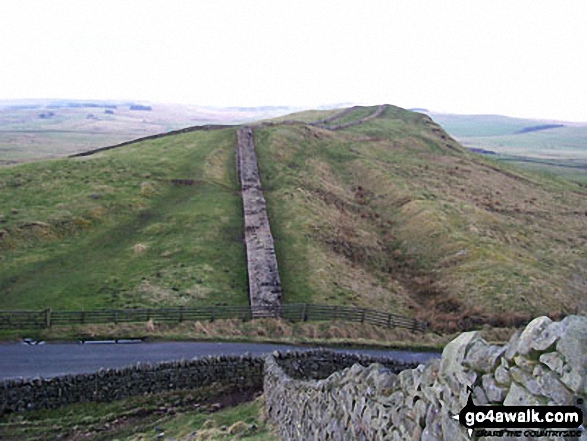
[
  {"x": 240, "y": 372},
  {"x": 321, "y": 363},
  {"x": 156, "y": 136},
  {"x": 356, "y": 122},
  {"x": 236, "y": 372},
  {"x": 263, "y": 275},
  {"x": 543, "y": 365}
]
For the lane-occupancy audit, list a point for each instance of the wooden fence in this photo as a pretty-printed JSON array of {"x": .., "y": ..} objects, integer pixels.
[{"x": 292, "y": 312}]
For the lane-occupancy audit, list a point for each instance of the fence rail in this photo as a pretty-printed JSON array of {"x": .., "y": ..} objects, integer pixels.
[{"x": 292, "y": 312}]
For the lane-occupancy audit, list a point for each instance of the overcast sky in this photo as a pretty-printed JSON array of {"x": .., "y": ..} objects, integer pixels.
[{"x": 512, "y": 57}]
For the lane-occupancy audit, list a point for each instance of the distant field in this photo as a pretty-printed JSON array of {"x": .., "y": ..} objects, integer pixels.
[
  {"x": 557, "y": 143},
  {"x": 558, "y": 150},
  {"x": 49, "y": 129}
]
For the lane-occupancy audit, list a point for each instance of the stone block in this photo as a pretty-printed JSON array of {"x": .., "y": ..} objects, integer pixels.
[
  {"x": 454, "y": 354},
  {"x": 573, "y": 347},
  {"x": 502, "y": 375},
  {"x": 494, "y": 393},
  {"x": 482, "y": 357},
  {"x": 531, "y": 333},
  {"x": 512, "y": 346},
  {"x": 552, "y": 386},
  {"x": 430, "y": 373},
  {"x": 520, "y": 396},
  {"x": 548, "y": 337}
]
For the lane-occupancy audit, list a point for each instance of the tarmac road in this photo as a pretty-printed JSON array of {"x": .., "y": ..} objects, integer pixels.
[{"x": 53, "y": 359}]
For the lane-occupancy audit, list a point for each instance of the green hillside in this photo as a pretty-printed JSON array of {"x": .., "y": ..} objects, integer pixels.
[
  {"x": 392, "y": 214},
  {"x": 113, "y": 230}
]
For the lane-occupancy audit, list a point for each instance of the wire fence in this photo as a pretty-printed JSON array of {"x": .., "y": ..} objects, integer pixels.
[{"x": 14, "y": 319}]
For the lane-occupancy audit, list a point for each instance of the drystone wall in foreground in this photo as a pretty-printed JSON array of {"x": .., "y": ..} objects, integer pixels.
[
  {"x": 238, "y": 372},
  {"x": 235, "y": 372},
  {"x": 543, "y": 365}
]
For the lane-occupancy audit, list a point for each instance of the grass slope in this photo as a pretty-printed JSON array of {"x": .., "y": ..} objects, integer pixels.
[
  {"x": 112, "y": 230},
  {"x": 394, "y": 214}
]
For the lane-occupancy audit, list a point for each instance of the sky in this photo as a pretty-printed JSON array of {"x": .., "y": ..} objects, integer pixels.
[{"x": 514, "y": 57}]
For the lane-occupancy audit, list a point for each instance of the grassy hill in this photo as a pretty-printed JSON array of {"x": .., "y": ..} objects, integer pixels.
[
  {"x": 392, "y": 214},
  {"x": 113, "y": 230}
]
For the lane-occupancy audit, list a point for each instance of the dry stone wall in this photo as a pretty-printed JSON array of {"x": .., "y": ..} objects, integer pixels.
[
  {"x": 335, "y": 117},
  {"x": 156, "y": 136},
  {"x": 264, "y": 282},
  {"x": 235, "y": 372},
  {"x": 322, "y": 363},
  {"x": 543, "y": 365},
  {"x": 238, "y": 372},
  {"x": 356, "y": 122}
]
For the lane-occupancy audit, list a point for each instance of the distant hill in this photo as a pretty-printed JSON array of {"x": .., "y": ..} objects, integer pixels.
[
  {"x": 41, "y": 129},
  {"x": 546, "y": 146},
  {"x": 392, "y": 214}
]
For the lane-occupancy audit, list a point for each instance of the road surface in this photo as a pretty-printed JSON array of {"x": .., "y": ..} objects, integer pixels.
[{"x": 53, "y": 359}]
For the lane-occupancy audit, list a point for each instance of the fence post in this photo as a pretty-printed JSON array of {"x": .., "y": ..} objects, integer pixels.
[
  {"x": 212, "y": 314},
  {"x": 335, "y": 313},
  {"x": 363, "y": 316},
  {"x": 48, "y": 318},
  {"x": 181, "y": 314},
  {"x": 305, "y": 313},
  {"x": 388, "y": 320}
]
